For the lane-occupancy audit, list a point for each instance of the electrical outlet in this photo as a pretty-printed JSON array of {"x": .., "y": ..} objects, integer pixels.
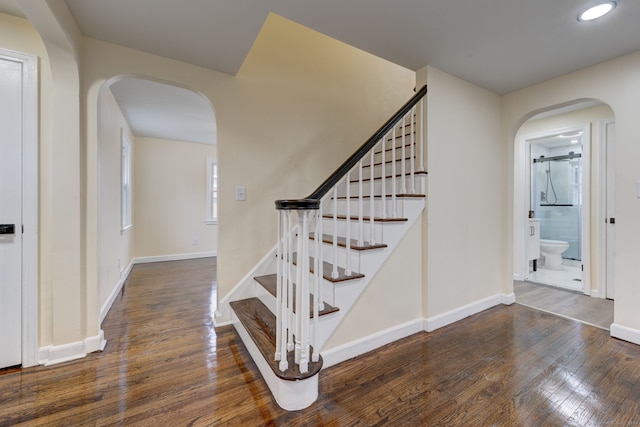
[{"x": 195, "y": 242}]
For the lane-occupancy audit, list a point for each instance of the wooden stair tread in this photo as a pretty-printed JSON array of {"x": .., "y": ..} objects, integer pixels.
[
  {"x": 389, "y": 161},
  {"x": 327, "y": 268},
  {"x": 398, "y": 175},
  {"x": 260, "y": 324},
  {"x": 398, "y": 147},
  {"x": 366, "y": 218},
  {"x": 388, "y": 196},
  {"x": 342, "y": 242},
  {"x": 270, "y": 283}
]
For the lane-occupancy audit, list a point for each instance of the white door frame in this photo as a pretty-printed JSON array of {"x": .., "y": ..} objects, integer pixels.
[
  {"x": 606, "y": 171},
  {"x": 522, "y": 189},
  {"x": 29, "y": 204}
]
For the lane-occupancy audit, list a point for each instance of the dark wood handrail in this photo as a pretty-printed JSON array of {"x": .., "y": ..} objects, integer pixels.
[{"x": 312, "y": 201}]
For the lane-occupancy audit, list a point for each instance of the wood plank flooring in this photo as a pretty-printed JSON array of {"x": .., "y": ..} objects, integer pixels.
[
  {"x": 166, "y": 365},
  {"x": 594, "y": 311}
]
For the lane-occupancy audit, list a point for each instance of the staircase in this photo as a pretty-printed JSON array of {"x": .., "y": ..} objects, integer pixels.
[{"x": 330, "y": 246}]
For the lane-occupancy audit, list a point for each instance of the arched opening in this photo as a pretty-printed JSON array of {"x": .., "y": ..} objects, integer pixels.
[
  {"x": 563, "y": 202},
  {"x": 157, "y": 157}
]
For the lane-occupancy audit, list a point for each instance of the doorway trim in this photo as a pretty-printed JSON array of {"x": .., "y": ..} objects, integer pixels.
[
  {"x": 604, "y": 214},
  {"x": 523, "y": 197},
  {"x": 29, "y": 203}
]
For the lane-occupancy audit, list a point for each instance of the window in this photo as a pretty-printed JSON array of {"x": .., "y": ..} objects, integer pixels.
[
  {"x": 125, "y": 181},
  {"x": 212, "y": 191}
]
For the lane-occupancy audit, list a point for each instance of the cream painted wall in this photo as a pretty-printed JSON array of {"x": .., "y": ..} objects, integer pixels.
[
  {"x": 310, "y": 102},
  {"x": 115, "y": 247},
  {"x": 391, "y": 299},
  {"x": 616, "y": 83},
  {"x": 169, "y": 198},
  {"x": 301, "y": 102},
  {"x": 466, "y": 193},
  {"x": 577, "y": 119}
]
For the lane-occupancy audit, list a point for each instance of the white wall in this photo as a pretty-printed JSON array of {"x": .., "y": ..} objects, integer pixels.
[
  {"x": 616, "y": 83},
  {"x": 466, "y": 193},
  {"x": 115, "y": 247},
  {"x": 169, "y": 179}
]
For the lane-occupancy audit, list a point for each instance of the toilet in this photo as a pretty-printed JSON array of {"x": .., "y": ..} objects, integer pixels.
[{"x": 552, "y": 251}]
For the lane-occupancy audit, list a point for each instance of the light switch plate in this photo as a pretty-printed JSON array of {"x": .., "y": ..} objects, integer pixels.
[{"x": 241, "y": 194}]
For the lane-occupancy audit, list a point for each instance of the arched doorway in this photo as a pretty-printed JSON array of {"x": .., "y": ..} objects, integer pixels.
[
  {"x": 154, "y": 145},
  {"x": 570, "y": 147}
]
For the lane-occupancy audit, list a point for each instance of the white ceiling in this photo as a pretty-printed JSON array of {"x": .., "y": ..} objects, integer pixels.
[
  {"x": 158, "y": 110},
  {"x": 501, "y": 45}
]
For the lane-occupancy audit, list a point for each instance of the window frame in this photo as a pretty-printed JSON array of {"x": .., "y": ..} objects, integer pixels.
[
  {"x": 212, "y": 191},
  {"x": 126, "y": 191}
]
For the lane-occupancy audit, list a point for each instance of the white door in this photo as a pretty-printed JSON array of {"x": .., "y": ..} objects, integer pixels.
[
  {"x": 11, "y": 74},
  {"x": 610, "y": 133}
]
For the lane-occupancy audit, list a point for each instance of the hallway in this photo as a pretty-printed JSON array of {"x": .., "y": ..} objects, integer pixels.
[{"x": 572, "y": 305}]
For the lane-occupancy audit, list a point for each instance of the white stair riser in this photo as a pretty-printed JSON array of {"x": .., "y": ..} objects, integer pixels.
[
  {"x": 378, "y": 204},
  {"x": 378, "y": 184},
  {"x": 357, "y": 232},
  {"x": 388, "y": 170}
]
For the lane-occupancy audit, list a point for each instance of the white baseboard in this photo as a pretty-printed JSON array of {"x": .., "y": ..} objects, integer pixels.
[
  {"x": 625, "y": 333},
  {"x": 97, "y": 343},
  {"x": 114, "y": 292},
  {"x": 363, "y": 345},
  {"x": 174, "y": 257},
  {"x": 507, "y": 299},
  {"x": 53, "y": 355},
  {"x": 444, "y": 319}
]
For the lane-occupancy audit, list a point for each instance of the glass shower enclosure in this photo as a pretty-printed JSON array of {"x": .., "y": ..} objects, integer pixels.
[{"x": 556, "y": 198}]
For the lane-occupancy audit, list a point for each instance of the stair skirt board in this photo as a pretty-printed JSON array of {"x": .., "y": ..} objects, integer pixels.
[{"x": 290, "y": 395}]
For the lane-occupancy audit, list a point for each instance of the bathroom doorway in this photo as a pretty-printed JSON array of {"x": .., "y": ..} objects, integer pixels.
[
  {"x": 558, "y": 194},
  {"x": 591, "y": 123}
]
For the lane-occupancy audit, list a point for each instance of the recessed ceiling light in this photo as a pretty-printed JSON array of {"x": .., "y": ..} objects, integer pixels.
[{"x": 597, "y": 11}]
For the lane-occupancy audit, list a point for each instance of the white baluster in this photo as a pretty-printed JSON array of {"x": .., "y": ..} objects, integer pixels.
[
  {"x": 289, "y": 282},
  {"x": 360, "y": 206},
  {"x": 393, "y": 174},
  {"x": 383, "y": 180},
  {"x": 334, "y": 272},
  {"x": 319, "y": 273},
  {"x": 316, "y": 298},
  {"x": 279, "y": 293},
  {"x": 404, "y": 158},
  {"x": 348, "y": 270},
  {"x": 422, "y": 135},
  {"x": 372, "y": 200},
  {"x": 302, "y": 294},
  {"x": 413, "y": 150}
]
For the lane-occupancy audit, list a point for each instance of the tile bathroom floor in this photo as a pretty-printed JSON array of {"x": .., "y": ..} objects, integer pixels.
[{"x": 569, "y": 277}]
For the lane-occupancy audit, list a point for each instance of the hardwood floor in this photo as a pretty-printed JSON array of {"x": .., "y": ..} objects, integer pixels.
[
  {"x": 166, "y": 365},
  {"x": 578, "y": 306}
]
